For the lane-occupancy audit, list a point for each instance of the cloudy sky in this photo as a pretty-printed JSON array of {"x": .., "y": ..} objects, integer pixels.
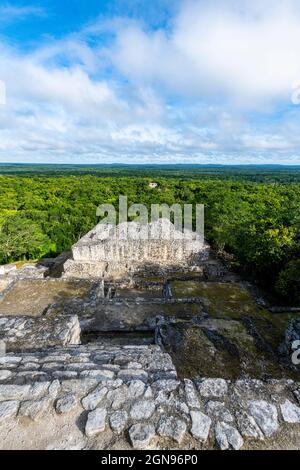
[{"x": 160, "y": 81}]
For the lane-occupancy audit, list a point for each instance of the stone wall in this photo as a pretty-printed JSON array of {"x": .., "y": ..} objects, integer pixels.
[
  {"x": 21, "y": 333},
  {"x": 122, "y": 397}
]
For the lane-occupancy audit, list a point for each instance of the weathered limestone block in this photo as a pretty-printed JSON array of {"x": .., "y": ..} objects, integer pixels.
[
  {"x": 133, "y": 374},
  {"x": 64, "y": 374},
  {"x": 172, "y": 427},
  {"x": 39, "y": 389},
  {"x": 81, "y": 366},
  {"x": 134, "y": 365},
  {"x": 14, "y": 392},
  {"x": 290, "y": 412},
  {"x": 118, "y": 421},
  {"x": 136, "y": 388},
  {"x": 29, "y": 366},
  {"x": 200, "y": 425},
  {"x": 171, "y": 402},
  {"x": 54, "y": 388},
  {"x": 247, "y": 426},
  {"x": 141, "y": 434},
  {"x": 142, "y": 409},
  {"x": 228, "y": 437},
  {"x": 165, "y": 385},
  {"x": 5, "y": 374},
  {"x": 213, "y": 387},
  {"x": 9, "y": 360},
  {"x": 96, "y": 422},
  {"x": 118, "y": 397},
  {"x": 191, "y": 395},
  {"x": 265, "y": 415},
  {"x": 92, "y": 400},
  {"x": 98, "y": 374},
  {"x": 66, "y": 404},
  {"x": 32, "y": 376},
  {"x": 217, "y": 410},
  {"x": 80, "y": 387},
  {"x": 247, "y": 388}
]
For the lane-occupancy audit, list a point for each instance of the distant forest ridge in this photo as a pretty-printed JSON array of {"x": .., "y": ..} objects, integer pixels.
[{"x": 259, "y": 173}]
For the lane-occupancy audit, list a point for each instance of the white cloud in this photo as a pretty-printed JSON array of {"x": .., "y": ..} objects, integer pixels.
[
  {"x": 10, "y": 12},
  {"x": 218, "y": 49},
  {"x": 176, "y": 95},
  {"x": 265, "y": 142}
]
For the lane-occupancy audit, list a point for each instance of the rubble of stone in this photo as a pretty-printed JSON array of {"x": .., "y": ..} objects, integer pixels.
[
  {"x": 27, "y": 271},
  {"x": 132, "y": 394},
  {"x": 114, "y": 251},
  {"x": 21, "y": 333}
]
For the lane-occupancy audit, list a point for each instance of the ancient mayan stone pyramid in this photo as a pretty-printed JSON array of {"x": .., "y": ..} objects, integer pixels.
[{"x": 113, "y": 251}]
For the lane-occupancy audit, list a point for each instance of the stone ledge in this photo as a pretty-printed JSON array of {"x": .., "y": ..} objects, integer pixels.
[{"x": 21, "y": 333}]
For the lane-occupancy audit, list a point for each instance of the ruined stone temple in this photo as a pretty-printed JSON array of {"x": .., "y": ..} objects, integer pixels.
[
  {"x": 146, "y": 343},
  {"x": 109, "y": 251}
]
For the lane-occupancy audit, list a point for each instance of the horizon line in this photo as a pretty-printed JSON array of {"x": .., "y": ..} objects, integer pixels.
[{"x": 156, "y": 164}]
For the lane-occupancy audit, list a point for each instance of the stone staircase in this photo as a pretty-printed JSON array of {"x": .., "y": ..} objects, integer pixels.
[{"x": 115, "y": 396}]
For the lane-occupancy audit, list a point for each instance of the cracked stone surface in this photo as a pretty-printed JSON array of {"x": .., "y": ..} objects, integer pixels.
[
  {"x": 228, "y": 437},
  {"x": 170, "y": 426},
  {"x": 265, "y": 415},
  {"x": 66, "y": 404},
  {"x": 248, "y": 426},
  {"x": 217, "y": 410},
  {"x": 92, "y": 400}
]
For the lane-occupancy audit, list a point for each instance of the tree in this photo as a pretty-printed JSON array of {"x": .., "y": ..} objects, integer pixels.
[
  {"x": 22, "y": 239},
  {"x": 288, "y": 283}
]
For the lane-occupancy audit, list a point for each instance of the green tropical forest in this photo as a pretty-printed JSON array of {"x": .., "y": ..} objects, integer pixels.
[{"x": 252, "y": 214}]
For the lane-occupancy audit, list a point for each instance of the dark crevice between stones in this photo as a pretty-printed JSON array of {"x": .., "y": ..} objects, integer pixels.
[
  {"x": 118, "y": 338},
  {"x": 221, "y": 343}
]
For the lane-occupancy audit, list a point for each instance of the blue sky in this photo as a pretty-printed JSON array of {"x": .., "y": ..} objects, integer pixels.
[{"x": 135, "y": 81}]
